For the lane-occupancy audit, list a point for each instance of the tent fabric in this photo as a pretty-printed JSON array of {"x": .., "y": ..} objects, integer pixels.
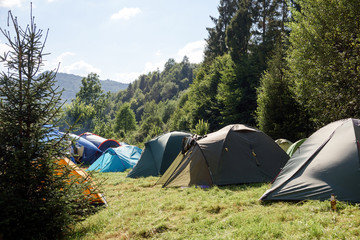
[
  {"x": 87, "y": 151},
  {"x": 158, "y": 154},
  {"x": 292, "y": 149},
  {"x": 117, "y": 159},
  {"x": 95, "y": 197},
  {"x": 284, "y": 143},
  {"x": 328, "y": 163},
  {"x": 100, "y": 142},
  {"x": 235, "y": 154}
]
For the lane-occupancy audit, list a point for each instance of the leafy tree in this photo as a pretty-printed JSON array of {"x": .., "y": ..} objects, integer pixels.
[
  {"x": 180, "y": 118},
  {"x": 202, "y": 102},
  {"x": 149, "y": 127},
  {"x": 91, "y": 90},
  {"x": 36, "y": 202},
  {"x": 169, "y": 90},
  {"x": 90, "y": 104},
  {"x": 125, "y": 119},
  {"x": 324, "y": 59},
  {"x": 79, "y": 115}
]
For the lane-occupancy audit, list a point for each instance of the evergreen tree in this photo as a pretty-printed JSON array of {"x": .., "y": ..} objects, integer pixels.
[
  {"x": 36, "y": 202},
  {"x": 238, "y": 32},
  {"x": 216, "y": 44},
  {"x": 278, "y": 114}
]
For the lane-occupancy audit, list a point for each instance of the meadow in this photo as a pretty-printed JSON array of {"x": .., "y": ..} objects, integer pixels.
[{"x": 138, "y": 209}]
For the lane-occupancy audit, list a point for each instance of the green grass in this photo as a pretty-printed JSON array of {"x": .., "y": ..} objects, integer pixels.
[{"x": 139, "y": 210}]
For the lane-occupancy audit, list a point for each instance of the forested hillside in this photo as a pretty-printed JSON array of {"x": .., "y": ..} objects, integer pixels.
[
  {"x": 72, "y": 83},
  {"x": 286, "y": 69}
]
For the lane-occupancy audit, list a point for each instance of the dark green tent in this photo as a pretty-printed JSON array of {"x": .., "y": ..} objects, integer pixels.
[
  {"x": 158, "y": 154},
  {"x": 233, "y": 155},
  {"x": 328, "y": 163}
]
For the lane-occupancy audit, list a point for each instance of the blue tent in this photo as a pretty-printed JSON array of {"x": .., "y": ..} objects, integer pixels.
[
  {"x": 117, "y": 159},
  {"x": 100, "y": 142},
  {"x": 86, "y": 150}
]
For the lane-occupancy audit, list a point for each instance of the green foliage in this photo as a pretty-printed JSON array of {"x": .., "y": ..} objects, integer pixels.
[
  {"x": 202, "y": 102},
  {"x": 216, "y": 44},
  {"x": 224, "y": 91},
  {"x": 230, "y": 93},
  {"x": 80, "y": 114},
  {"x": 324, "y": 59},
  {"x": 125, "y": 119},
  {"x": 201, "y": 128},
  {"x": 153, "y": 98},
  {"x": 88, "y": 110},
  {"x": 36, "y": 200},
  {"x": 278, "y": 113},
  {"x": 90, "y": 90},
  {"x": 238, "y": 32}
]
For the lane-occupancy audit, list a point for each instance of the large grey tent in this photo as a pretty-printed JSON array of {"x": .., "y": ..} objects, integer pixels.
[
  {"x": 158, "y": 154},
  {"x": 328, "y": 163},
  {"x": 235, "y": 154}
]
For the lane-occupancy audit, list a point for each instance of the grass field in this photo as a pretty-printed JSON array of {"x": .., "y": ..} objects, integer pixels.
[{"x": 139, "y": 210}]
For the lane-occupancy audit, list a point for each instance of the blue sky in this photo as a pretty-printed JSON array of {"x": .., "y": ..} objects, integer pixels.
[{"x": 117, "y": 39}]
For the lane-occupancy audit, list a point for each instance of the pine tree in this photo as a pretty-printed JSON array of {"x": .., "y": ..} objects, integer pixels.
[
  {"x": 278, "y": 114},
  {"x": 216, "y": 43},
  {"x": 36, "y": 201}
]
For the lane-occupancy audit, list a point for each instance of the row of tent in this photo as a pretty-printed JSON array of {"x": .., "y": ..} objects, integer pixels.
[{"x": 328, "y": 162}]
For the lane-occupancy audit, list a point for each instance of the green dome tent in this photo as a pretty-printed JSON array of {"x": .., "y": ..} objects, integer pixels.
[
  {"x": 158, "y": 154},
  {"x": 328, "y": 163},
  {"x": 235, "y": 154},
  {"x": 292, "y": 149}
]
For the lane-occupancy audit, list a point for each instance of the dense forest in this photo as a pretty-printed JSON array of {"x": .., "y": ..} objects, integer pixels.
[{"x": 286, "y": 67}]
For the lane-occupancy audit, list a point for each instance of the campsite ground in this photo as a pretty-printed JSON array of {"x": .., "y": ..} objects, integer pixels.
[{"x": 139, "y": 210}]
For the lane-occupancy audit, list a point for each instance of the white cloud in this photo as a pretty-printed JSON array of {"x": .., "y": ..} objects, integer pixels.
[
  {"x": 81, "y": 68},
  {"x": 11, "y": 3},
  {"x": 158, "y": 53},
  {"x": 64, "y": 55},
  {"x": 131, "y": 76},
  {"x": 126, "y": 13},
  {"x": 53, "y": 64},
  {"x": 4, "y": 48},
  {"x": 149, "y": 66},
  {"x": 194, "y": 51},
  {"x": 126, "y": 77}
]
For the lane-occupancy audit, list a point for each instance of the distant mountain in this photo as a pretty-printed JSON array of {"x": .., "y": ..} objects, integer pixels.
[{"x": 71, "y": 84}]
